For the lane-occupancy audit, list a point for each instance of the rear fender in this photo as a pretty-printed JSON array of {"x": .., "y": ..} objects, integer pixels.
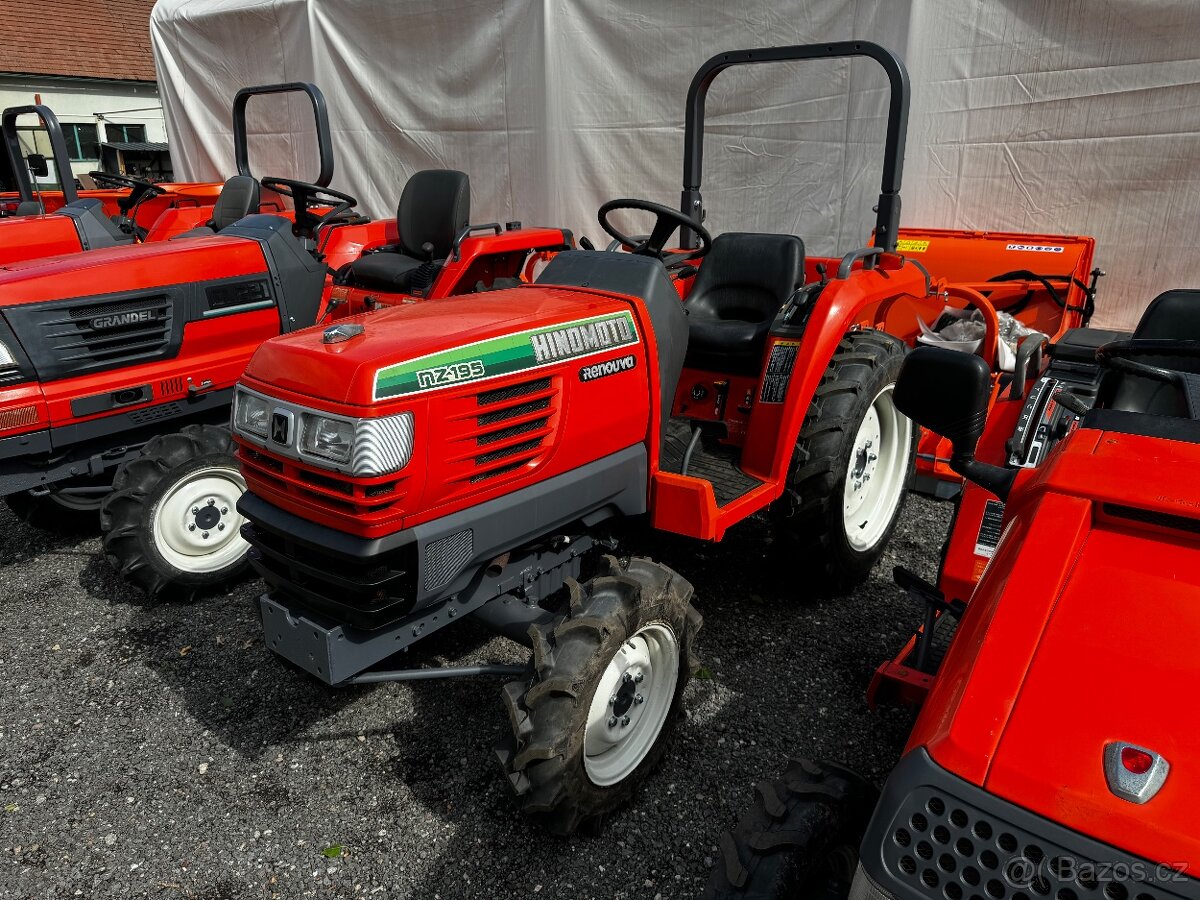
[{"x": 844, "y": 305}]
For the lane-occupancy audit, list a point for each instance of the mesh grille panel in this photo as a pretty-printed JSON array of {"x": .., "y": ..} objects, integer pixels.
[
  {"x": 942, "y": 847},
  {"x": 445, "y": 557}
]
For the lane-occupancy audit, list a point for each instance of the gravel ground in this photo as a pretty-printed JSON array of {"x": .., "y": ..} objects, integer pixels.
[{"x": 159, "y": 750}]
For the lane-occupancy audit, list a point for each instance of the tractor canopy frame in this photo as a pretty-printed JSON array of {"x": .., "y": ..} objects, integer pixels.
[
  {"x": 58, "y": 148},
  {"x": 888, "y": 211},
  {"x": 320, "y": 116}
]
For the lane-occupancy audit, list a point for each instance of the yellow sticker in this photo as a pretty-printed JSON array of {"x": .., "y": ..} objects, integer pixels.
[
  {"x": 907, "y": 245},
  {"x": 787, "y": 343}
]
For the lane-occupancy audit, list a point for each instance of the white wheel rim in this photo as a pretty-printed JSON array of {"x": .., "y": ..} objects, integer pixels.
[
  {"x": 196, "y": 525},
  {"x": 876, "y": 473},
  {"x": 620, "y": 729}
]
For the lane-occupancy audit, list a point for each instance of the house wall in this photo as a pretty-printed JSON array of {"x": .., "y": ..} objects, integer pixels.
[{"x": 88, "y": 101}]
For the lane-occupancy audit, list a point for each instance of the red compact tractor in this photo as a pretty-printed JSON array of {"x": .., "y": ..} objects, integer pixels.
[
  {"x": 36, "y": 224},
  {"x": 1050, "y": 758},
  {"x": 117, "y": 366},
  {"x": 464, "y": 457}
]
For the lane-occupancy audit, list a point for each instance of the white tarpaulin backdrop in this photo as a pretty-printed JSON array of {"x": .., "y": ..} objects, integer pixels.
[{"x": 1072, "y": 116}]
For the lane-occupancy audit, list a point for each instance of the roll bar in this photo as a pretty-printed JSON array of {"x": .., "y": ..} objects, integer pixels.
[
  {"x": 58, "y": 147},
  {"x": 888, "y": 220},
  {"x": 320, "y": 114}
]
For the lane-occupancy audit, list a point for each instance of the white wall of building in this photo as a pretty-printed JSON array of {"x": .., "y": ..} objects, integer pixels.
[{"x": 79, "y": 101}]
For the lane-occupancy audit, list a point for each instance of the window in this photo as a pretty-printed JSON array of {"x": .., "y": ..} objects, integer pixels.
[
  {"x": 126, "y": 133},
  {"x": 83, "y": 142}
]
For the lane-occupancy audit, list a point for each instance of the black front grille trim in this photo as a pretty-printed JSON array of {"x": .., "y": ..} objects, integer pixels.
[
  {"x": 512, "y": 391},
  {"x": 936, "y": 835},
  {"x": 365, "y": 593}
]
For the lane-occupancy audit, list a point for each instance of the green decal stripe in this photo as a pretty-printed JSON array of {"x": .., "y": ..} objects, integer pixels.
[{"x": 500, "y": 356}]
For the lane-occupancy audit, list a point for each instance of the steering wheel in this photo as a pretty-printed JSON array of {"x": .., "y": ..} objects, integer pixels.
[
  {"x": 305, "y": 195},
  {"x": 1115, "y": 355},
  {"x": 138, "y": 188},
  {"x": 664, "y": 226}
]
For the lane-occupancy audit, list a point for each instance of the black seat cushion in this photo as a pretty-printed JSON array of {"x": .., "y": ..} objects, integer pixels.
[
  {"x": 743, "y": 281},
  {"x": 434, "y": 209},
  {"x": 1173, "y": 315}
]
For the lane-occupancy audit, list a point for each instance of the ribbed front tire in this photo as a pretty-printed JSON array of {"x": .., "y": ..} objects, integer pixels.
[
  {"x": 799, "y": 838},
  {"x": 606, "y": 694},
  {"x": 171, "y": 522}
]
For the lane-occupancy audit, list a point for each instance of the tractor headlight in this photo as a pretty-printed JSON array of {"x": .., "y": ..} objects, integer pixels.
[
  {"x": 251, "y": 415},
  {"x": 382, "y": 445},
  {"x": 10, "y": 369},
  {"x": 331, "y": 439}
]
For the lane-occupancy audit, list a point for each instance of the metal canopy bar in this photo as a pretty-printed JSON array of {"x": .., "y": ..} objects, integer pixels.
[
  {"x": 888, "y": 219},
  {"x": 320, "y": 114},
  {"x": 58, "y": 147}
]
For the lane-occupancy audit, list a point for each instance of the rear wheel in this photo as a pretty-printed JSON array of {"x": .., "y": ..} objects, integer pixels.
[
  {"x": 68, "y": 506},
  {"x": 171, "y": 520},
  {"x": 800, "y": 838},
  {"x": 606, "y": 694},
  {"x": 850, "y": 468}
]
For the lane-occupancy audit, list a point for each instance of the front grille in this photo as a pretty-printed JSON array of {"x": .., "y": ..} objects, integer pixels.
[
  {"x": 941, "y": 846},
  {"x": 326, "y": 492},
  {"x": 111, "y": 332},
  {"x": 501, "y": 431},
  {"x": 70, "y": 337},
  {"x": 363, "y": 592}
]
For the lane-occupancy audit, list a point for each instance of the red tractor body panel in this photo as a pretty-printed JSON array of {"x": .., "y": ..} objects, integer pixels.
[
  {"x": 1083, "y": 633},
  {"x": 605, "y": 414}
]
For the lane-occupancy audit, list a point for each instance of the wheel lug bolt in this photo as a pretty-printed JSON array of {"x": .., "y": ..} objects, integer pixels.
[
  {"x": 220, "y": 526},
  {"x": 627, "y": 678},
  {"x": 612, "y": 701},
  {"x": 195, "y": 509},
  {"x": 637, "y": 699},
  {"x": 204, "y": 535},
  {"x": 624, "y": 720},
  {"x": 224, "y": 510},
  {"x": 638, "y": 677},
  {"x": 192, "y": 527},
  {"x": 612, "y": 721},
  {"x": 212, "y": 502}
]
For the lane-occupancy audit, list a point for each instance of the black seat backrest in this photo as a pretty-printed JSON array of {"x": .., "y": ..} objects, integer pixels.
[
  {"x": 747, "y": 276},
  {"x": 1172, "y": 315},
  {"x": 239, "y": 198},
  {"x": 434, "y": 209}
]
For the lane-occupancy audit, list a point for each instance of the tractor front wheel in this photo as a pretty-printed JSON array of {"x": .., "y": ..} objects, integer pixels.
[
  {"x": 799, "y": 839},
  {"x": 606, "y": 694},
  {"x": 850, "y": 468},
  {"x": 172, "y": 520}
]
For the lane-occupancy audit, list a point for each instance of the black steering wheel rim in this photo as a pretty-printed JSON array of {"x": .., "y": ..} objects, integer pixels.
[
  {"x": 653, "y": 245},
  {"x": 1116, "y": 355},
  {"x": 124, "y": 180},
  {"x": 140, "y": 190},
  {"x": 305, "y": 194}
]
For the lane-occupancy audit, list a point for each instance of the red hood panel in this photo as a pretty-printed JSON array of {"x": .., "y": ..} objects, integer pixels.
[
  {"x": 345, "y": 372},
  {"x": 128, "y": 268},
  {"x": 1117, "y": 662}
]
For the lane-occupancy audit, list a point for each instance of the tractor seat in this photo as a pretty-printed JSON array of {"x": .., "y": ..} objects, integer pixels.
[
  {"x": 434, "y": 209},
  {"x": 1173, "y": 315},
  {"x": 743, "y": 281},
  {"x": 239, "y": 197}
]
